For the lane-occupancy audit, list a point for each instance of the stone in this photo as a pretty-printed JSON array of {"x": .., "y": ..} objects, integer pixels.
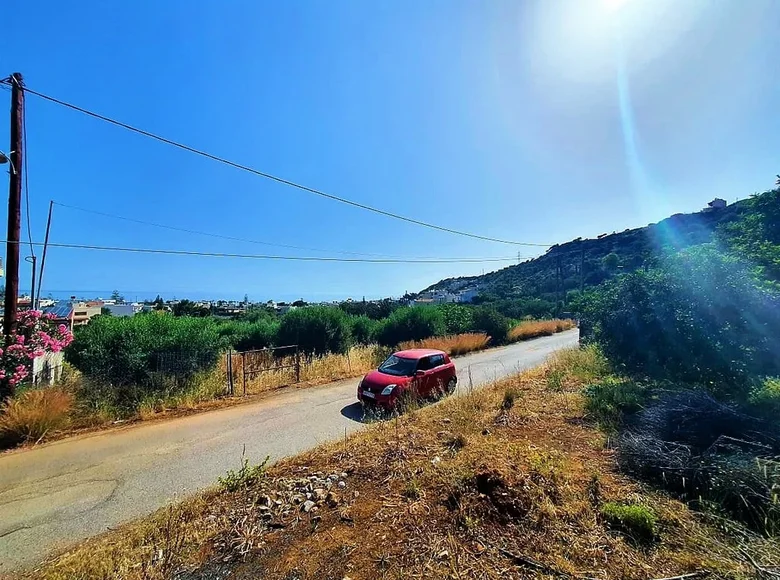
[
  {"x": 344, "y": 475},
  {"x": 320, "y": 494},
  {"x": 307, "y": 505},
  {"x": 342, "y": 484}
]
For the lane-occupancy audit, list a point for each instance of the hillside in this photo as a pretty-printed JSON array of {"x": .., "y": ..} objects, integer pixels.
[{"x": 633, "y": 248}]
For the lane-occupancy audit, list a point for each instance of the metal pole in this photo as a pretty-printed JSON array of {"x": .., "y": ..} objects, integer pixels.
[
  {"x": 32, "y": 260},
  {"x": 14, "y": 211},
  {"x": 43, "y": 257}
]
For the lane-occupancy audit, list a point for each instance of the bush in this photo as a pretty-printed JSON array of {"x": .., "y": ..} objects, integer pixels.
[
  {"x": 458, "y": 319},
  {"x": 363, "y": 329},
  {"x": 492, "y": 323},
  {"x": 710, "y": 454},
  {"x": 125, "y": 359},
  {"x": 636, "y": 521},
  {"x": 699, "y": 318},
  {"x": 243, "y": 335},
  {"x": 609, "y": 400},
  {"x": 765, "y": 399},
  {"x": 317, "y": 330},
  {"x": 411, "y": 323},
  {"x": 34, "y": 413}
]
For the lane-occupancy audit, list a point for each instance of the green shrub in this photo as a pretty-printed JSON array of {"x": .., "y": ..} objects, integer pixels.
[
  {"x": 636, "y": 521},
  {"x": 316, "y": 330},
  {"x": 608, "y": 400},
  {"x": 244, "y": 477},
  {"x": 492, "y": 323},
  {"x": 700, "y": 317},
  {"x": 765, "y": 399},
  {"x": 125, "y": 359},
  {"x": 458, "y": 319},
  {"x": 363, "y": 329},
  {"x": 411, "y": 323},
  {"x": 243, "y": 335}
]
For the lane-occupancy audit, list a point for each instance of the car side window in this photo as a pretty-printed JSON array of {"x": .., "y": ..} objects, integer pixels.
[
  {"x": 437, "y": 360},
  {"x": 424, "y": 364}
]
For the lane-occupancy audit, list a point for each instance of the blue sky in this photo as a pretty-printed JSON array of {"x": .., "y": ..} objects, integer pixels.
[{"x": 531, "y": 121}]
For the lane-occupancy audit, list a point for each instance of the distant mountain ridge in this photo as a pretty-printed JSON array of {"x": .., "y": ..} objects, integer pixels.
[{"x": 600, "y": 257}]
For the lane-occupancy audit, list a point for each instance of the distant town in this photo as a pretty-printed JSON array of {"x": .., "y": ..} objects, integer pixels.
[{"x": 78, "y": 312}]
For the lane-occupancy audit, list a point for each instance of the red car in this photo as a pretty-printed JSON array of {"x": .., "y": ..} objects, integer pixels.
[{"x": 419, "y": 372}]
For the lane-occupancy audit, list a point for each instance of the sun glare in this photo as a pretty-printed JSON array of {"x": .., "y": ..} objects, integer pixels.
[{"x": 614, "y": 5}]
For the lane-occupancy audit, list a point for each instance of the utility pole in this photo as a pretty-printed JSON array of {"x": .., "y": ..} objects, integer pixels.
[{"x": 14, "y": 207}]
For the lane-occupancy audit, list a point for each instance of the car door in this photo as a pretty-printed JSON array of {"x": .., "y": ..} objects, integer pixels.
[
  {"x": 437, "y": 379},
  {"x": 423, "y": 377}
]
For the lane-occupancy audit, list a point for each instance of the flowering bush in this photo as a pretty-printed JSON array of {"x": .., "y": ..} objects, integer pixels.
[{"x": 35, "y": 335}]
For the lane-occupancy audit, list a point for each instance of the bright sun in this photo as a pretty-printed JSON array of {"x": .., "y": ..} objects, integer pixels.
[{"x": 613, "y": 5}]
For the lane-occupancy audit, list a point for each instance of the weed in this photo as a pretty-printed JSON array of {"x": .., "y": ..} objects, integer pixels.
[
  {"x": 610, "y": 399},
  {"x": 412, "y": 490},
  {"x": 245, "y": 476},
  {"x": 636, "y": 521},
  {"x": 457, "y": 442},
  {"x": 511, "y": 394},
  {"x": 34, "y": 413}
]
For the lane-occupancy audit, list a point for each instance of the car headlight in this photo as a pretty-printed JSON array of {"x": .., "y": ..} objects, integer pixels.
[{"x": 388, "y": 389}]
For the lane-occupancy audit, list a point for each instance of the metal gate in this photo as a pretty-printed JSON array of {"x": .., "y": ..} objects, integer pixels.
[{"x": 243, "y": 367}]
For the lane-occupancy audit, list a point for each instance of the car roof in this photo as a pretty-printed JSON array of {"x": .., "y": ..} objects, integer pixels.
[{"x": 417, "y": 352}]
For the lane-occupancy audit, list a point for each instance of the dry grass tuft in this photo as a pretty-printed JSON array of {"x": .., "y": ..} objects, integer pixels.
[
  {"x": 534, "y": 328},
  {"x": 34, "y": 413},
  {"x": 453, "y": 345},
  {"x": 443, "y": 492}
]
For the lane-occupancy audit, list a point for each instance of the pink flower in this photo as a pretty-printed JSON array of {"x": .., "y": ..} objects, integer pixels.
[{"x": 62, "y": 328}]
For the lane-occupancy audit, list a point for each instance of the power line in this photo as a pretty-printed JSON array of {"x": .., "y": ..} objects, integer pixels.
[
  {"x": 234, "y": 238},
  {"x": 273, "y": 257},
  {"x": 273, "y": 177}
]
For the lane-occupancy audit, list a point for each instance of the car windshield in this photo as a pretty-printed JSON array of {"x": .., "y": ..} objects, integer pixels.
[{"x": 399, "y": 367}]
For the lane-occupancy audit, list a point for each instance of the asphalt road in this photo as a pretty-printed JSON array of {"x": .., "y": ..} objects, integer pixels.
[{"x": 57, "y": 494}]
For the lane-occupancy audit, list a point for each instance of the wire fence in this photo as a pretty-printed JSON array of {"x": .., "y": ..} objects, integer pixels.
[{"x": 259, "y": 370}]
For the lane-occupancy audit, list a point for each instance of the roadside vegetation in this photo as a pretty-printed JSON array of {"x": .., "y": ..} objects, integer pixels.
[
  {"x": 694, "y": 342},
  {"x": 509, "y": 481},
  {"x": 141, "y": 367}
]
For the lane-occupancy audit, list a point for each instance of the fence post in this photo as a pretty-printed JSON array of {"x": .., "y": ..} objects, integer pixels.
[
  {"x": 243, "y": 370},
  {"x": 230, "y": 371},
  {"x": 297, "y": 364}
]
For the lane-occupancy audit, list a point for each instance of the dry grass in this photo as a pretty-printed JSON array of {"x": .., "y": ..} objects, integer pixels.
[
  {"x": 454, "y": 344},
  {"x": 465, "y": 489},
  {"x": 534, "y": 328},
  {"x": 325, "y": 369},
  {"x": 35, "y": 413}
]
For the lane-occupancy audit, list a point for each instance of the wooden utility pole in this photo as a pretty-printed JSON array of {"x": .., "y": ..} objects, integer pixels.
[{"x": 14, "y": 207}]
